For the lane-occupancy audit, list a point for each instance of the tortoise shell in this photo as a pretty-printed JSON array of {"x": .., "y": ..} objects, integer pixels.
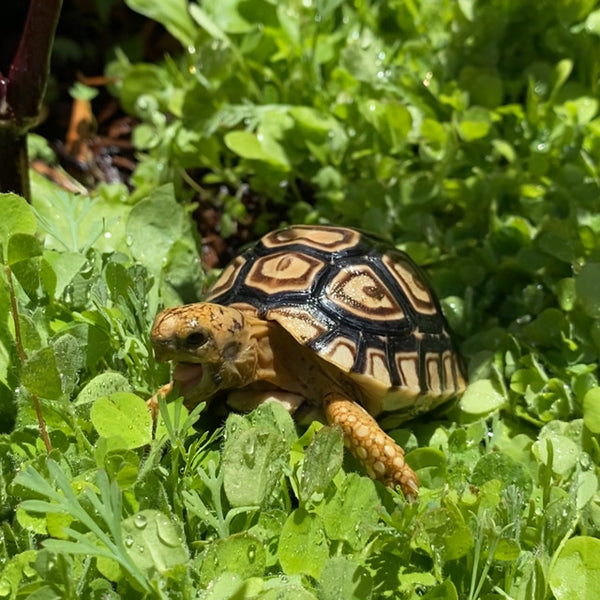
[{"x": 359, "y": 304}]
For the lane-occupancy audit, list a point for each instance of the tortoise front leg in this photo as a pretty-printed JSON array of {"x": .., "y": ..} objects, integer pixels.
[{"x": 381, "y": 456}]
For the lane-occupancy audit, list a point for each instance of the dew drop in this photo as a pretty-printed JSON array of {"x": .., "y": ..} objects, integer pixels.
[
  {"x": 251, "y": 553},
  {"x": 128, "y": 541},
  {"x": 248, "y": 451},
  {"x": 140, "y": 521}
]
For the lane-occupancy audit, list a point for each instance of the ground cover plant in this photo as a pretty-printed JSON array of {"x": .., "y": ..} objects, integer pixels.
[{"x": 465, "y": 132}]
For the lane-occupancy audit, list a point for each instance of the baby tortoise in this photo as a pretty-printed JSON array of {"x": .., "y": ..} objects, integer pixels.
[{"x": 322, "y": 319}]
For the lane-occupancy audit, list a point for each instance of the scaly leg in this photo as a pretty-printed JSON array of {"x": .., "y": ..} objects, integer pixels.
[{"x": 381, "y": 456}]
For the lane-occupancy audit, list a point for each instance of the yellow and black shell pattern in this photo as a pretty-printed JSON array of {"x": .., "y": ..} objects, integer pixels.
[{"x": 359, "y": 304}]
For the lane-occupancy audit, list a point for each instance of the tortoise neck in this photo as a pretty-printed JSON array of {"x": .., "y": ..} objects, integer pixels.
[{"x": 289, "y": 366}]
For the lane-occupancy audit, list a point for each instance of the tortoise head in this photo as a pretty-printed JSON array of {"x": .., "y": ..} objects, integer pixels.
[{"x": 212, "y": 346}]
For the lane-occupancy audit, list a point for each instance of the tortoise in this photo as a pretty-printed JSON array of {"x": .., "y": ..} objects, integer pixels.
[{"x": 326, "y": 320}]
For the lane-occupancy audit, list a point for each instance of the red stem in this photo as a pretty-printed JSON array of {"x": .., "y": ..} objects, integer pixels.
[
  {"x": 22, "y": 91},
  {"x": 23, "y": 357},
  {"x": 26, "y": 81}
]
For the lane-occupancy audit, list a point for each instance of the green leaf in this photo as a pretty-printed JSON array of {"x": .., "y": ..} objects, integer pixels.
[
  {"x": 587, "y": 288},
  {"x": 443, "y": 591},
  {"x": 566, "y": 293},
  {"x": 357, "y": 500},
  {"x": 27, "y": 273},
  {"x": 275, "y": 416},
  {"x": 288, "y": 592},
  {"x": 203, "y": 20},
  {"x": 562, "y": 71},
  {"x": 253, "y": 461},
  {"x": 17, "y": 217},
  {"x": 303, "y": 546},
  {"x": 104, "y": 384},
  {"x": 564, "y": 451},
  {"x": 323, "y": 460},
  {"x": 123, "y": 415},
  {"x": 474, "y": 124},
  {"x": 448, "y": 536},
  {"x": 500, "y": 466},
  {"x": 80, "y": 91},
  {"x": 153, "y": 541},
  {"x": 173, "y": 16},
  {"x": 576, "y": 572},
  {"x": 122, "y": 466},
  {"x": 15, "y": 570},
  {"x": 592, "y": 22},
  {"x": 246, "y": 145},
  {"x": 94, "y": 342},
  {"x": 391, "y": 120},
  {"x": 481, "y": 397},
  {"x": 344, "y": 578},
  {"x": 40, "y": 375},
  {"x": 260, "y": 146},
  {"x": 430, "y": 465},
  {"x": 241, "y": 554},
  {"x": 591, "y": 410},
  {"x": 69, "y": 360},
  {"x": 59, "y": 269},
  {"x": 153, "y": 226},
  {"x": 22, "y": 246}
]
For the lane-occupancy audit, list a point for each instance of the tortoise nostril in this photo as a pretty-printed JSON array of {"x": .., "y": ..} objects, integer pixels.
[{"x": 195, "y": 340}]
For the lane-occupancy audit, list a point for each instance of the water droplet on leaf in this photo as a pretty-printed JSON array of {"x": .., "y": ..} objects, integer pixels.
[
  {"x": 140, "y": 521},
  {"x": 251, "y": 553}
]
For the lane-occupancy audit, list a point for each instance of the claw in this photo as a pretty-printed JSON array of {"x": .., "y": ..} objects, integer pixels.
[{"x": 381, "y": 456}]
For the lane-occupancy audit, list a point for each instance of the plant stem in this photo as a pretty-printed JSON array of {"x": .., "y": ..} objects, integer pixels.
[
  {"x": 14, "y": 176},
  {"x": 29, "y": 69},
  {"x": 22, "y": 91},
  {"x": 23, "y": 357}
]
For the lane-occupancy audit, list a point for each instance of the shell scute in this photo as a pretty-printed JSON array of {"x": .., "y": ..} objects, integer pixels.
[{"x": 361, "y": 306}]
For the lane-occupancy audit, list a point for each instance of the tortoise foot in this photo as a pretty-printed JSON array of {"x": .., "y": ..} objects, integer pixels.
[{"x": 381, "y": 456}]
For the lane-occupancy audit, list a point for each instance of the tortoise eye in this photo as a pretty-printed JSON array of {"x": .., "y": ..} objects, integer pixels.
[{"x": 195, "y": 340}]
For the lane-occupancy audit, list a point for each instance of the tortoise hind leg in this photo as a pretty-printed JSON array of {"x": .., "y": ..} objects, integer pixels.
[{"x": 381, "y": 456}]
